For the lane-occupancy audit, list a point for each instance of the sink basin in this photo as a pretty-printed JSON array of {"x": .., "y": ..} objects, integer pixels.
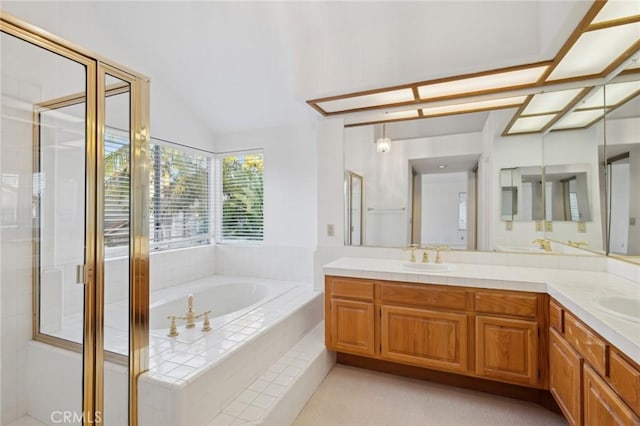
[
  {"x": 428, "y": 267},
  {"x": 627, "y": 308},
  {"x": 521, "y": 249}
]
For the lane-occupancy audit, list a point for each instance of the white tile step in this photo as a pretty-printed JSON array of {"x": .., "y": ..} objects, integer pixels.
[{"x": 276, "y": 397}]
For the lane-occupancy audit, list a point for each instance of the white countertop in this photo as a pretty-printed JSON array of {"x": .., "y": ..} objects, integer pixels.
[{"x": 574, "y": 289}]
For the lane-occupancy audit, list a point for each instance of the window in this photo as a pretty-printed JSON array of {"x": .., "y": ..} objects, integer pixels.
[
  {"x": 116, "y": 188},
  {"x": 240, "y": 207},
  {"x": 179, "y": 198}
]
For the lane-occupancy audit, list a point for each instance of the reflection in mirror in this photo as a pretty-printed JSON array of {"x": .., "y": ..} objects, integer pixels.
[
  {"x": 567, "y": 193},
  {"x": 413, "y": 192},
  {"x": 354, "y": 202},
  {"x": 521, "y": 194},
  {"x": 574, "y": 189},
  {"x": 623, "y": 166}
]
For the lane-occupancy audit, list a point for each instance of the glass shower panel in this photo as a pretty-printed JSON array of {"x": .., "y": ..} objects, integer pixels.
[
  {"x": 42, "y": 226},
  {"x": 117, "y": 180},
  {"x": 116, "y": 213}
]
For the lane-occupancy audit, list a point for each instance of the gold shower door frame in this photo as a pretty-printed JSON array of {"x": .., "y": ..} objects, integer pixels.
[{"x": 93, "y": 339}]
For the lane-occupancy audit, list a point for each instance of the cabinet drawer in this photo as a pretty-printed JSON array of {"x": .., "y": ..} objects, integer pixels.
[
  {"x": 351, "y": 288},
  {"x": 556, "y": 317},
  {"x": 424, "y": 296},
  {"x": 625, "y": 379},
  {"x": 521, "y": 305},
  {"x": 587, "y": 343}
]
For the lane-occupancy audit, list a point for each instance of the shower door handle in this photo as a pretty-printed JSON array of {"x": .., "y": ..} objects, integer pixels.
[{"x": 83, "y": 274}]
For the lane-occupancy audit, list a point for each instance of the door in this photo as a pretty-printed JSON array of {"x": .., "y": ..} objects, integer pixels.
[
  {"x": 425, "y": 338},
  {"x": 565, "y": 378},
  {"x": 352, "y": 326},
  {"x": 48, "y": 216},
  {"x": 55, "y": 108},
  {"x": 601, "y": 404},
  {"x": 507, "y": 349}
]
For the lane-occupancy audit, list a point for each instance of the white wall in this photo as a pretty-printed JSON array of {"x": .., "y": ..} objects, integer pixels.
[
  {"x": 290, "y": 199},
  {"x": 440, "y": 209}
]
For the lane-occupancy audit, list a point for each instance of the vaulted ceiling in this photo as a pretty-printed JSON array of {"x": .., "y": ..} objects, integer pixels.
[{"x": 242, "y": 65}]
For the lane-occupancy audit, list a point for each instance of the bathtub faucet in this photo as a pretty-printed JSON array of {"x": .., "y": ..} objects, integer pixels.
[{"x": 191, "y": 316}]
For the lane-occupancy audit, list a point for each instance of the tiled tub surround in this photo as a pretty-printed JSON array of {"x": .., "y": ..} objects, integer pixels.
[
  {"x": 575, "y": 289},
  {"x": 226, "y": 297},
  {"x": 194, "y": 375},
  {"x": 190, "y": 383}
]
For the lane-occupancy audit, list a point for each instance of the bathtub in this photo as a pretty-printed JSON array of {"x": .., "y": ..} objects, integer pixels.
[
  {"x": 228, "y": 298},
  {"x": 192, "y": 376}
]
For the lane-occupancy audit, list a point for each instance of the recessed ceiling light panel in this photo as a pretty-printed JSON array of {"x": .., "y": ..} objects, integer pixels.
[
  {"x": 578, "y": 119},
  {"x": 582, "y": 60},
  {"x": 483, "y": 83},
  {"x": 475, "y": 106},
  {"x": 530, "y": 124},
  {"x": 366, "y": 101},
  {"x": 550, "y": 101},
  {"x": 613, "y": 10}
]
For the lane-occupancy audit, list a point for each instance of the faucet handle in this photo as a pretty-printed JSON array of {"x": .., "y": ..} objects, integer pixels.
[
  {"x": 440, "y": 248},
  {"x": 173, "y": 329},
  {"x": 206, "y": 325},
  {"x": 413, "y": 248}
]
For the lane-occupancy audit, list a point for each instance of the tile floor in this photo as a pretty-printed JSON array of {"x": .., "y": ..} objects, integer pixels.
[{"x": 352, "y": 396}]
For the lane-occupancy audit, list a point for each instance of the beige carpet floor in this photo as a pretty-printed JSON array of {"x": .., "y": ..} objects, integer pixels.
[{"x": 353, "y": 396}]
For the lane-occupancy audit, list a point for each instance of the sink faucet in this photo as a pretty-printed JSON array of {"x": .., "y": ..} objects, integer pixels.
[
  {"x": 578, "y": 244},
  {"x": 544, "y": 244}
]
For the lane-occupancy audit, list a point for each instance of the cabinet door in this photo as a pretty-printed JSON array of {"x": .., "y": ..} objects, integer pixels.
[
  {"x": 352, "y": 327},
  {"x": 425, "y": 338},
  {"x": 507, "y": 349},
  {"x": 565, "y": 382},
  {"x": 601, "y": 405}
]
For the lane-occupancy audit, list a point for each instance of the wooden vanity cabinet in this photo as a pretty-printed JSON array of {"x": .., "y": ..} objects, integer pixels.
[
  {"x": 492, "y": 334},
  {"x": 592, "y": 382},
  {"x": 507, "y": 334},
  {"x": 351, "y": 316}
]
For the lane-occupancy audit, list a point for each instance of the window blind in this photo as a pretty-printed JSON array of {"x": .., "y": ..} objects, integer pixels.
[
  {"x": 240, "y": 197},
  {"x": 116, "y": 189},
  {"x": 179, "y": 197}
]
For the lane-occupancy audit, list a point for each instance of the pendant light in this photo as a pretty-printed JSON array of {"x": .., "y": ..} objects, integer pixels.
[{"x": 383, "y": 144}]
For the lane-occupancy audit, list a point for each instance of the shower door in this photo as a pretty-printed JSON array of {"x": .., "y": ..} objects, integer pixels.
[
  {"x": 48, "y": 172},
  {"x": 73, "y": 148}
]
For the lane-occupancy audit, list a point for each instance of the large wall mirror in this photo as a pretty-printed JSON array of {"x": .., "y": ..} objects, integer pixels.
[
  {"x": 622, "y": 159},
  {"x": 456, "y": 180}
]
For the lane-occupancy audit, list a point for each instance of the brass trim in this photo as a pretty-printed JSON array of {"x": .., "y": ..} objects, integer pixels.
[
  {"x": 93, "y": 345},
  {"x": 139, "y": 246},
  {"x": 32, "y": 31}
]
